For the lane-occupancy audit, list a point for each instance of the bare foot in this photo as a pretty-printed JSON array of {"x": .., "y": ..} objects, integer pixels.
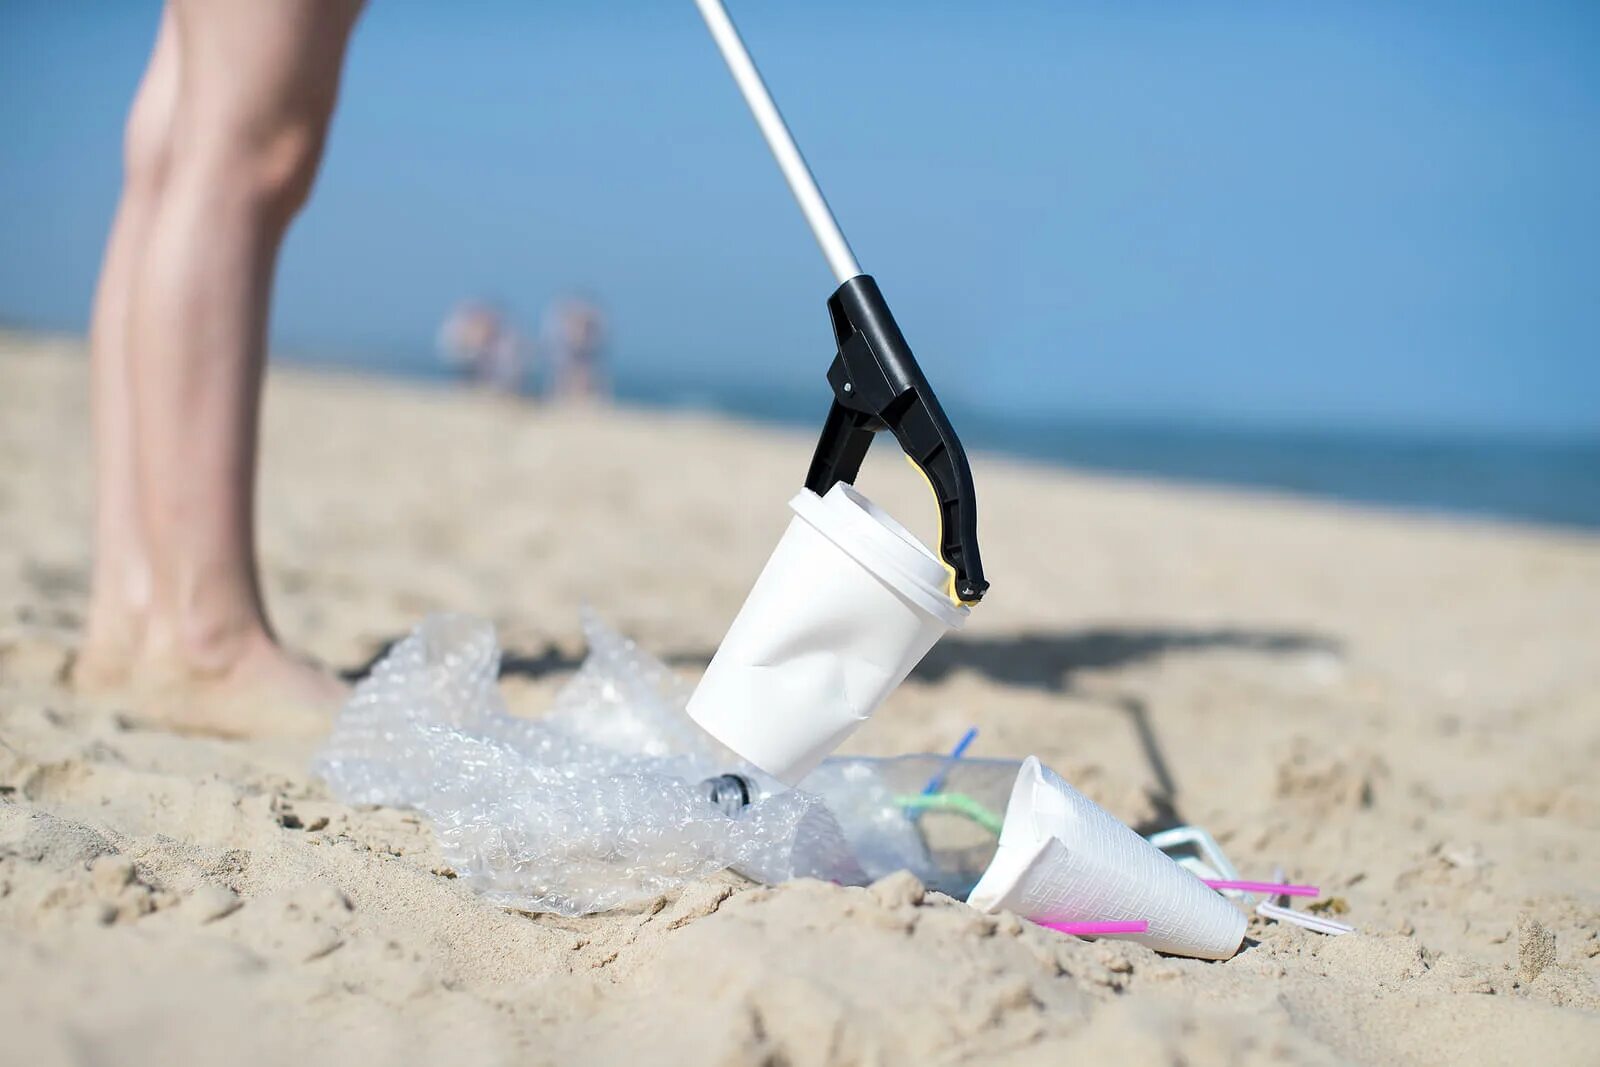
[
  {"x": 266, "y": 692},
  {"x": 258, "y": 690}
]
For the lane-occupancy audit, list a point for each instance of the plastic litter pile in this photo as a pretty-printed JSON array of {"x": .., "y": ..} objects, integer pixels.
[{"x": 616, "y": 796}]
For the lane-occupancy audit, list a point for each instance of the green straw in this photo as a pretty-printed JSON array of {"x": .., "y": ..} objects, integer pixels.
[{"x": 957, "y": 803}]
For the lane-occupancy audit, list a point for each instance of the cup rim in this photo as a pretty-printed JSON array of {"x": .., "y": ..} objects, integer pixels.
[{"x": 873, "y": 538}]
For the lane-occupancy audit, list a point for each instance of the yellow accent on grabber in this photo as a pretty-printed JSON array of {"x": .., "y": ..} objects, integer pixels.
[{"x": 950, "y": 581}]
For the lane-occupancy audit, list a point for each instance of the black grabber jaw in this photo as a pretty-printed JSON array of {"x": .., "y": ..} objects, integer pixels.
[{"x": 877, "y": 385}]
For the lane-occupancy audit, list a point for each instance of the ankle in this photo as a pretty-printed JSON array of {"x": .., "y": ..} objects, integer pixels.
[{"x": 201, "y": 646}]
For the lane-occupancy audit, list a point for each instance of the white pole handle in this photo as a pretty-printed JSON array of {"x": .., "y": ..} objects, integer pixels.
[{"x": 841, "y": 260}]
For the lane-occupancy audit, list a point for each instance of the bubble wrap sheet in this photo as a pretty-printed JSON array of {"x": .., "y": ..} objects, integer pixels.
[{"x": 596, "y": 806}]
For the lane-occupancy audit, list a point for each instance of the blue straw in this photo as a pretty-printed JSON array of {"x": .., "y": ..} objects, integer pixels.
[{"x": 937, "y": 781}]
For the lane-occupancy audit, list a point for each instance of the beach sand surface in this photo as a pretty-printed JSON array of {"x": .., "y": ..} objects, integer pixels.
[{"x": 1402, "y": 710}]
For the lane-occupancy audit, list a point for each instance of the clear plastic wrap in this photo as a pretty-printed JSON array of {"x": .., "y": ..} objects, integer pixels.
[{"x": 596, "y": 806}]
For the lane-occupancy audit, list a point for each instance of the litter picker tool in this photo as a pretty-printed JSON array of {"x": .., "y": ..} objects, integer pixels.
[{"x": 877, "y": 384}]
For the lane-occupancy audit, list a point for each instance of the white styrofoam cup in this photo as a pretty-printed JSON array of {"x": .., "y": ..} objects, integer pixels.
[
  {"x": 1063, "y": 858},
  {"x": 846, "y": 606}
]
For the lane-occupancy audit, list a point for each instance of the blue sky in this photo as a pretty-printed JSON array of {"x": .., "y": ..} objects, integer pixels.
[{"x": 1341, "y": 214}]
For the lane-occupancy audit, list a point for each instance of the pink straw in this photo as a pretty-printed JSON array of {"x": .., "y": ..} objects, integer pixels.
[
  {"x": 1275, "y": 889},
  {"x": 1096, "y": 929}
]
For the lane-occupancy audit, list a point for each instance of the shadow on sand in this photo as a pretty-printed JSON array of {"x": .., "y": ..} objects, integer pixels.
[
  {"x": 1048, "y": 660},
  {"x": 1038, "y": 660}
]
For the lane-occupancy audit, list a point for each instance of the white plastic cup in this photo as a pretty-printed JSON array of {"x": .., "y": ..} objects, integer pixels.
[
  {"x": 847, "y": 604},
  {"x": 1063, "y": 858}
]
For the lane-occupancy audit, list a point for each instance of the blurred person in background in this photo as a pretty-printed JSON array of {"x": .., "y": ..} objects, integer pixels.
[
  {"x": 478, "y": 341},
  {"x": 221, "y": 149},
  {"x": 573, "y": 337}
]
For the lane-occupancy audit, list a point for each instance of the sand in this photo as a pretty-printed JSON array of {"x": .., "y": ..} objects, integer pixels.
[{"x": 1403, "y": 710}]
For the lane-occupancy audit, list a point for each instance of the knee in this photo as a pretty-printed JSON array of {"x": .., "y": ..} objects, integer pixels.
[
  {"x": 265, "y": 164},
  {"x": 278, "y": 166}
]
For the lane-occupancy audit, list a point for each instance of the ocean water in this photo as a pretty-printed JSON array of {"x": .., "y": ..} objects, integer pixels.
[
  {"x": 1553, "y": 481},
  {"x": 1548, "y": 481}
]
